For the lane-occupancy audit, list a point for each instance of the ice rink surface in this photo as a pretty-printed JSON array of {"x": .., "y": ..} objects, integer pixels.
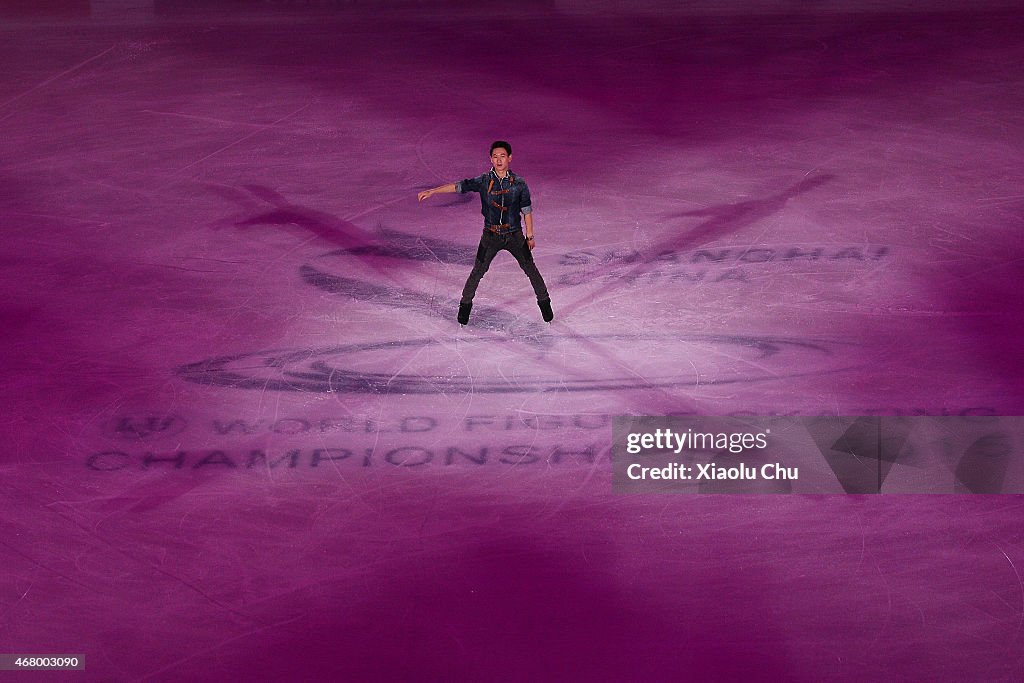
[{"x": 245, "y": 438}]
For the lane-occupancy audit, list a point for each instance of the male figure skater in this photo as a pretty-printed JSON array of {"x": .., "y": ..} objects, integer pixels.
[{"x": 503, "y": 196}]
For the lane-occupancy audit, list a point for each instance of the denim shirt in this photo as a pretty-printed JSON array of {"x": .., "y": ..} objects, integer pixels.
[{"x": 501, "y": 199}]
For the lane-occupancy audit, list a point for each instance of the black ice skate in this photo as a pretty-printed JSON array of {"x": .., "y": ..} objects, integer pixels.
[
  {"x": 545, "y": 310},
  {"x": 464, "y": 310}
]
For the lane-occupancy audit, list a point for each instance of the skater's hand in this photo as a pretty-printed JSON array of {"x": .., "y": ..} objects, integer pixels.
[
  {"x": 423, "y": 195},
  {"x": 530, "y": 242}
]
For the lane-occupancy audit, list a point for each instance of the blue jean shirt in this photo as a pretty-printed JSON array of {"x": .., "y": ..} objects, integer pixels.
[{"x": 501, "y": 200}]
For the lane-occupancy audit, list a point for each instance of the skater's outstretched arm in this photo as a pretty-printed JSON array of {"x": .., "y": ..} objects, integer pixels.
[{"x": 450, "y": 187}]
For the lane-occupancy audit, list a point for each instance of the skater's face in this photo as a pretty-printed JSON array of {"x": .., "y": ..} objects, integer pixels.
[{"x": 500, "y": 159}]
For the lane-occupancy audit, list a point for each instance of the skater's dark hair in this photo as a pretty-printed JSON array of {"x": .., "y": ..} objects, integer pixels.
[{"x": 501, "y": 143}]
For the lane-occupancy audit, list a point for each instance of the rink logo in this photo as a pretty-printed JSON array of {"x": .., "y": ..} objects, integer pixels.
[
  {"x": 145, "y": 427},
  {"x": 410, "y": 247},
  {"x": 324, "y": 425},
  {"x": 725, "y": 256},
  {"x": 649, "y": 277},
  {"x": 409, "y": 424},
  {"x": 544, "y": 361},
  {"x": 369, "y": 368},
  {"x": 696, "y": 267},
  {"x": 722, "y": 265},
  {"x": 400, "y": 457},
  {"x": 659, "y": 267}
]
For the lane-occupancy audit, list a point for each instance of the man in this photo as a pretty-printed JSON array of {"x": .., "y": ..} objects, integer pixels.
[{"x": 503, "y": 196}]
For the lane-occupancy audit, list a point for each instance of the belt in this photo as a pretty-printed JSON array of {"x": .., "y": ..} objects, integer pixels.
[{"x": 498, "y": 228}]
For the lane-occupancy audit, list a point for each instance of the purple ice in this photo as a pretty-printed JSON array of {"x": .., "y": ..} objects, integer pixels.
[{"x": 246, "y": 439}]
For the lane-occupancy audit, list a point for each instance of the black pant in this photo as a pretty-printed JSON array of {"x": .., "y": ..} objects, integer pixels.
[{"x": 515, "y": 244}]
